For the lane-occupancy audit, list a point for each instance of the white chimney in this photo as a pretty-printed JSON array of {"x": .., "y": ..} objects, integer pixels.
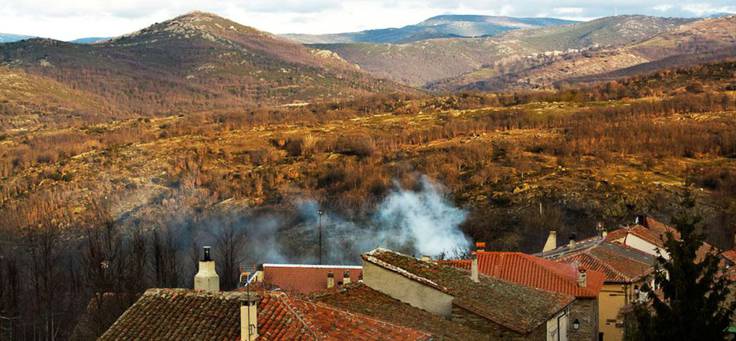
[
  {"x": 474, "y": 269},
  {"x": 572, "y": 242},
  {"x": 330, "y": 280},
  {"x": 582, "y": 278},
  {"x": 346, "y": 277},
  {"x": 551, "y": 243},
  {"x": 207, "y": 279},
  {"x": 249, "y": 317}
]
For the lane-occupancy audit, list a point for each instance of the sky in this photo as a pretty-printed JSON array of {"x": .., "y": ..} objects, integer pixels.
[{"x": 71, "y": 19}]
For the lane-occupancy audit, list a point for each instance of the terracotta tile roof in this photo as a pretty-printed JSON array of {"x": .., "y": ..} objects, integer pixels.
[
  {"x": 729, "y": 255},
  {"x": 619, "y": 263},
  {"x": 535, "y": 272},
  {"x": 619, "y": 235},
  {"x": 305, "y": 279},
  {"x": 655, "y": 233},
  {"x": 361, "y": 299},
  {"x": 516, "y": 307},
  {"x": 182, "y": 314}
]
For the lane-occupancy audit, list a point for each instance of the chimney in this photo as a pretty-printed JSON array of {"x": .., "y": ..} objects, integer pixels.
[
  {"x": 206, "y": 279},
  {"x": 249, "y": 317},
  {"x": 474, "y": 269},
  {"x": 426, "y": 258},
  {"x": 582, "y": 278},
  {"x": 480, "y": 246},
  {"x": 346, "y": 277},
  {"x": 551, "y": 243},
  {"x": 330, "y": 280},
  {"x": 572, "y": 242},
  {"x": 642, "y": 220}
]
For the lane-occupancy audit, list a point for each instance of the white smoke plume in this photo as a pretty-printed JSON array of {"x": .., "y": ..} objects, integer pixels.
[
  {"x": 417, "y": 222},
  {"x": 424, "y": 219}
]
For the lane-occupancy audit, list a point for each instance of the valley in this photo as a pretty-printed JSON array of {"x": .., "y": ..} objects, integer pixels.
[{"x": 139, "y": 150}]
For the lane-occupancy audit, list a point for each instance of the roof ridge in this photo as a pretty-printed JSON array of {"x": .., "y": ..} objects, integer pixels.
[
  {"x": 284, "y": 299},
  {"x": 609, "y": 266}
]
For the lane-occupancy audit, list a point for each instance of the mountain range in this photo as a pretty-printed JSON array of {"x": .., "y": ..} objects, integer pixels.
[
  {"x": 200, "y": 61},
  {"x": 443, "y": 26},
  {"x": 424, "y": 63}
]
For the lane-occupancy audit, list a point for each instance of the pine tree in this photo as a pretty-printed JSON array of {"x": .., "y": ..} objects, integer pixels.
[{"x": 691, "y": 297}]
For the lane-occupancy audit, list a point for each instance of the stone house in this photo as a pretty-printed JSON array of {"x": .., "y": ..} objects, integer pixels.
[{"x": 496, "y": 308}]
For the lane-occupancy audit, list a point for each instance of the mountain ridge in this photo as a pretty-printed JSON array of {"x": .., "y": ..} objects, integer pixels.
[
  {"x": 197, "y": 61},
  {"x": 437, "y": 27}
]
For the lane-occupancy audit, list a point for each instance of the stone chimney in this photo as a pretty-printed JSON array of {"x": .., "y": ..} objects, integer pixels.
[
  {"x": 551, "y": 242},
  {"x": 572, "y": 242},
  {"x": 249, "y": 317},
  {"x": 474, "y": 269},
  {"x": 582, "y": 278},
  {"x": 207, "y": 279},
  {"x": 330, "y": 280},
  {"x": 346, "y": 277}
]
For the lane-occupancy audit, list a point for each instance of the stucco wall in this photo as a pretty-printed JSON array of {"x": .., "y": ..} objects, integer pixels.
[
  {"x": 644, "y": 246},
  {"x": 612, "y": 298},
  {"x": 407, "y": 290}
]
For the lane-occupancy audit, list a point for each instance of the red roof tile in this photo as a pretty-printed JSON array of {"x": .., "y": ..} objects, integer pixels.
[
  {"x": 730, "y": 255},
  {"x": 619, "y": 263},
  {"x": 305, "y": 279},
  {"x": 535, "y": 272},
  {"x": 182, "y": 314},
  {"x": 655, "y": 233}
]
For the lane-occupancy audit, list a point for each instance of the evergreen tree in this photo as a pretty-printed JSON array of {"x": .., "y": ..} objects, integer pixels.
[{"x": 690, "y": 300}]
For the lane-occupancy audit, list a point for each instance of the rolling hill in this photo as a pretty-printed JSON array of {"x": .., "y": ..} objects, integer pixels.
[
  {"x": 442, "y": 26},
  {"x": 426, "y": 62},
  {"x": 197, "y": 61},
  {"x": 694, "y": 42}
]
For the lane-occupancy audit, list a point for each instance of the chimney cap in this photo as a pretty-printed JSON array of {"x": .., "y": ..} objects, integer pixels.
[
  {"x": 206, "y": 257},
  {"x": 346, "y": 273},
  {"x": 330, "y": 274}
]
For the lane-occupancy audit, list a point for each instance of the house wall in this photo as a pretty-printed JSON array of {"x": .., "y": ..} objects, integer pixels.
[
  {"x": 585, "y": 310},
  {"x": 557, "y": 327},
  {"x": 493, "y": 330},
  {"x": 407, "y": 290},
  {"x": 643, "y": 245},
  {"x": 611, "y": 299}
]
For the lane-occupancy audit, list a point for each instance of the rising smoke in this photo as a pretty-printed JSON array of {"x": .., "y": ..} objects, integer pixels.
[{"x": 419, "y": 222}]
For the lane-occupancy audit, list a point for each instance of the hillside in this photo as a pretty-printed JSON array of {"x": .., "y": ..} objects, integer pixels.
[
  {"x": 194, "y": 62},
  {"x": 691, "y": 43},
  {"x": 442, "y": 26},
  {"x": 426, "y": 62}
]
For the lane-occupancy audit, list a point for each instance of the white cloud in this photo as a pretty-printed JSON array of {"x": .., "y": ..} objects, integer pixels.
[
  {"x": 568, "y": 10},
  {"x": 701, "y": 9},
  {"x": 78, "y": 18}
]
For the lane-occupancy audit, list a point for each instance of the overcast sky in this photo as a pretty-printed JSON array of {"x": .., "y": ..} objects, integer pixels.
[{"x": 70, "y": 19}]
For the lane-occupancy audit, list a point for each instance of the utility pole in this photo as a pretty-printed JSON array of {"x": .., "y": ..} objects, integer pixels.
[{"x": 320, "y": 213}]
